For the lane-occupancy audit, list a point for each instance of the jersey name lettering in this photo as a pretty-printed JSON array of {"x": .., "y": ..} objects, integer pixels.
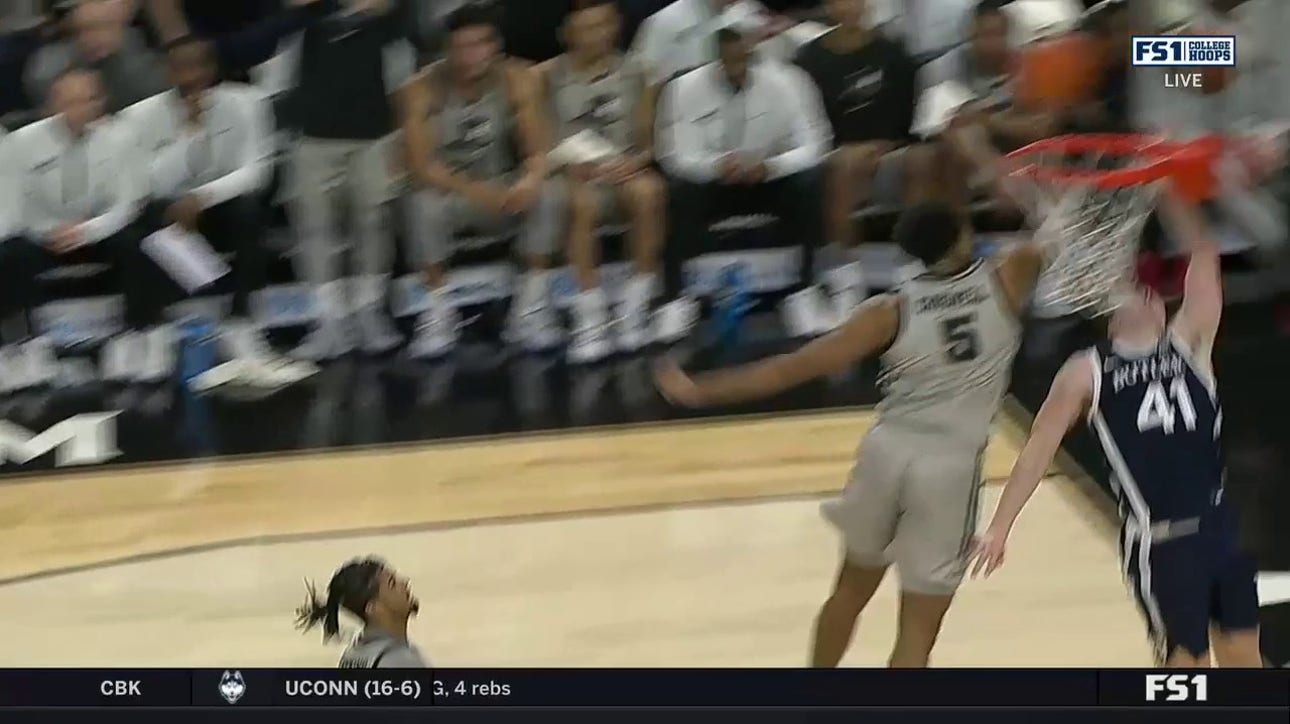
[
  {"x": 952, "y": 300},
  {"x": 1157, "y": 367}
]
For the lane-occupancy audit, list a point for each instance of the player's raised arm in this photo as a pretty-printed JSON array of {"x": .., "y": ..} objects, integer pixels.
[
  {"x": 1202, "y": 306},
  {"x": 1068, "y": 400},
  {"x": 870, "y": 330}
]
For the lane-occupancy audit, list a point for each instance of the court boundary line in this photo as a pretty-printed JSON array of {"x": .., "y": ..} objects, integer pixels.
[{"x": 413, "y": 446}]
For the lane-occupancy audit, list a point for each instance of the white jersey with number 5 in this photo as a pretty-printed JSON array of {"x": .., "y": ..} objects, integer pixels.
[{"x": 948, "y": 368}]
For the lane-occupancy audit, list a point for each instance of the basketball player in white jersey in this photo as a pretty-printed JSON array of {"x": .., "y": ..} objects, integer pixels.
[
  {"x": 374, "y": 593},
  {"x": 1150, "y": 395},
  {"x": 946, "y": 340}
]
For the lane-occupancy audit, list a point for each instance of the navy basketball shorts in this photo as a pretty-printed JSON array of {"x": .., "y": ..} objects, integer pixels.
[{"x": 1186, "y": 584}]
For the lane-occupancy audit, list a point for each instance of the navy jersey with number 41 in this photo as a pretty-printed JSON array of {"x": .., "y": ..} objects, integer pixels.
[{"x": 1158, "y": 419}]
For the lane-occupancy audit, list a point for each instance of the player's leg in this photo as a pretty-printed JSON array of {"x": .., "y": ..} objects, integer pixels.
[
  {"x": 644, "y": 198},
  {"x": 589, "y": 341},
  {"x": 941, "y": 500},
  {"x": 583, "y": 248},
  {"x": 836, "y": 622},
  {"x": 1235, "y": 631},
  {"x": 865, "y": 515},
  {"x": 1170, "y": 584}
]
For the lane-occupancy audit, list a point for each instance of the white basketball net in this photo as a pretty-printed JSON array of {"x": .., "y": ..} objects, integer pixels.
[{"x": 1091, "y": 234}]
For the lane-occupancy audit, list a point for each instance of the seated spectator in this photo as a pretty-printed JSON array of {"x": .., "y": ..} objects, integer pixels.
[
  {"x": 245, "y": 33},
  {"x": 18, "y": 42},
  {"x": 593, "y": 89},
  {"x": 1110, "y": 24},
  {"x": 476, "y": 144},
  {"x": 78, "y": 204},
  {"x": 990, "y": 123},
  {"x": 205, "y": 156},
  {"x": 100, "y": 38},
  {"x": 739, "y": 136},
  {"x": 679, "y": 38},
  {"x": 867, "y": 83},
  {"x": 348, "y": 64}
]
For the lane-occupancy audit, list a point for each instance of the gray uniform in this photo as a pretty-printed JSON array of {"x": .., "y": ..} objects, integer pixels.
[
  {"x": 478, "y": 138},
  {"x": 605, "y": 104},
  {"x": 913, "y": 496},
  {"x": 379, "y": 650}
]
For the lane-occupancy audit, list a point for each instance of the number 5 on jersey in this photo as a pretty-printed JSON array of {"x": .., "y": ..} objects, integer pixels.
[
  {"x": 962, "y": 343},
  {"x": 1159, "y": 409}
]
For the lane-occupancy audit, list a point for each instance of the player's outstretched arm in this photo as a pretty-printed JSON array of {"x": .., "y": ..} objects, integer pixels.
[
  {"x": 1202, "y": 306},
  {"x": 870, "y": 330},
  {"x": 1068, "y": 399}
]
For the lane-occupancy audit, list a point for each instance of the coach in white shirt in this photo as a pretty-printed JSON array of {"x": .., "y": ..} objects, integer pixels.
[
  {"x": 206, "y": 154},
  {"x": 741, "y": 138},
  {"x": 77, "y": 203}
]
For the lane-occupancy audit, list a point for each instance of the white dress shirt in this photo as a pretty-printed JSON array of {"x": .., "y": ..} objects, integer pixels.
[
  {"x": 228, "y": 156},
  {"x": 61, "y": 179},
  {"x": 777, "y": 118}
]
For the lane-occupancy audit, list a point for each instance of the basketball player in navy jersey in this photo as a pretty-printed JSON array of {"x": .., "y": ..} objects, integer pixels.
[{"x": 1148, "y": 391}]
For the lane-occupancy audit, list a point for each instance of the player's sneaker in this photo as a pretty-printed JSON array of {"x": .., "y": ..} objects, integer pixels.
[
  {"x": 158, "y": 355},
  {"x": 590, "y": 341},
  {"x": 331, "y": 337},
  {"x": 632, "y": 327},
  {"x": 39, "y": 362},
  {"x": 675, "y": 320},
  {"x": 372, "y": 326},
  {"x": 123, "y": 357},
  {"x": 437, "y": 329},
  {"x": 532, "y": 323}
]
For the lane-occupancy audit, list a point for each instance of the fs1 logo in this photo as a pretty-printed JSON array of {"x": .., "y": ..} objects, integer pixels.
[
  {"x": 1192, "y": 51},
  {"x": 1177, "y": 687}
]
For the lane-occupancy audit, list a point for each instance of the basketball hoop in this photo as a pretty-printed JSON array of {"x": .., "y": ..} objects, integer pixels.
[{"x": 1089, "y": 197}]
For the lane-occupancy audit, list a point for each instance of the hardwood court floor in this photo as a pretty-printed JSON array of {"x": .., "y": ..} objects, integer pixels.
[{"x": 676, "y": 545}]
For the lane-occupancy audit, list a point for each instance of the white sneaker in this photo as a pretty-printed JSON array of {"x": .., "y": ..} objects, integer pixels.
[
  {"x": 847, "y": 286},
  {"x": 590, "y": 341},
  {"x": 436, "y": 332},
  {"x": 807, "y": 313},
  {"x": 40, "y": 361},
  {"x": 123, "y": 357},
  {"x": 376, "y": 332},
  {"x": 331, "y": 338},
  {"x": 373, "y": 328},
  {"x": 11, "y": 369},
  {"x": 241, "y": 339},
  {"x": 633, "y": 323},
  {"x": 158, "y": 350},
  {"x": 532, "y": 323},
  {"x": 674, "y": 320}
]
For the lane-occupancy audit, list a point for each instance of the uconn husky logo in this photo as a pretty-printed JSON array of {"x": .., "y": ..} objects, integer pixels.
[{"x": 232, "y": 686}]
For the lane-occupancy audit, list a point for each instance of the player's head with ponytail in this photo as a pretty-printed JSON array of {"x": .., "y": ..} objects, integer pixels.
[{"x": 366, "y": 588}]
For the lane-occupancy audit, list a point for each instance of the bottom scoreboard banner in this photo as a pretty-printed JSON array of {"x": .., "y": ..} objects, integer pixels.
[{"x": 576, "y": 688}]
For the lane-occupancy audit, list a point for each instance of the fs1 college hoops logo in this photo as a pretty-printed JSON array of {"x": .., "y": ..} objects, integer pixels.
[{"x": 231, "y": 686}]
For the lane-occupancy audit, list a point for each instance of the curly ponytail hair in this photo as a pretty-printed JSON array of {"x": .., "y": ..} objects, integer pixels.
[{"x": 352, "y": 587}]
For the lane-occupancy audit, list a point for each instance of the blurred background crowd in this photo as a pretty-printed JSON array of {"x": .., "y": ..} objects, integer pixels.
[{"x": 369, "y": 171}]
